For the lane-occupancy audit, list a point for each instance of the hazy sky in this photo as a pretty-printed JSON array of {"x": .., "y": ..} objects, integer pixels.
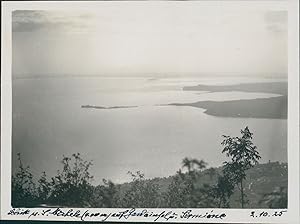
[{"x": 150, "y": 40}]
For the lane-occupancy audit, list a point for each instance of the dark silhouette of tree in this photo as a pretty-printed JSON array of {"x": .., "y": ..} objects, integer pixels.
[
  {"x": 222, "y": 191},
  {"x": 24, "y": 192},
  {"x": 105, "y": 196},
  {"x": 184, "y": 192},
  {"x": 244, "y": 155},
  {"x": 276, "y": 199},
  {"x": 211, "y": 172},
  {"x": 179, "y": 191},
  {"x": 205, "y": 197},
  {"x": 201, "y": 164},
  {"x": 186, "y": 162},
  {"x": 43, "y": 189},
  {"x": 72, "y": 186},
  {"x": 142, "y": 193},
  {"x": 190, "y": 164}
]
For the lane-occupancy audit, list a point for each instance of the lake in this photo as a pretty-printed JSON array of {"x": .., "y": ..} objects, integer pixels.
[{"x": 49, "y": 122}]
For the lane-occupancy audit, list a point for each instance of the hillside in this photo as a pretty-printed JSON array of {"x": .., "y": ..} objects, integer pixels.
[
  {"x": 261, "y": 179},
  {"x": 271, "y": 108},
  {"x": 268, "y": 108}
]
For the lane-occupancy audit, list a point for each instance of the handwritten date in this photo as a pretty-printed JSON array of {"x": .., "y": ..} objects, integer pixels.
[{"x": 261, "y": 214}]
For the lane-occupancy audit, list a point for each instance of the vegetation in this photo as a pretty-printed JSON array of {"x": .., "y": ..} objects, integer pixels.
[
  {"x": 105, "y": 196},
  {"x": 276, "y": 199},
  {"x": 222, "y": 191},
  {"x": 141, "y": 193},
  {"x": 23, "y": 187},
  {"x": 243, "y": 155},
  {"x": 72, "y": 186},
  {"x": 193, "y": 186}
]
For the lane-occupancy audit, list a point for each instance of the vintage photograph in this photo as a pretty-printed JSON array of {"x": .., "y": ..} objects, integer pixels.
[{"x": 138, "y": 106}]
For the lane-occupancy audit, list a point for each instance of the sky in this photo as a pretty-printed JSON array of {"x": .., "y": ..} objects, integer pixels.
[{"x": 136, "y": 39}]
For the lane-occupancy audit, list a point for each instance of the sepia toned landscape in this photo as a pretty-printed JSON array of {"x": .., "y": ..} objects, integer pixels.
[{"x": 149, "y": 107}]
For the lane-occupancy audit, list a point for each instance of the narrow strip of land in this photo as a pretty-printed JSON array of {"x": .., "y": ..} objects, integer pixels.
[
  {"x": 267, "y": 87},
  {"x": 106, "y": 108}
]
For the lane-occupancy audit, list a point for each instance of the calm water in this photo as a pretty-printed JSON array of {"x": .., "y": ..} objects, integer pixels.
[{"x": 48, "y": 122}]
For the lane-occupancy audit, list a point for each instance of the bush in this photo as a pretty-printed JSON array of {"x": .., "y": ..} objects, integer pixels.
[
  {"x": 184, "y": 192},
  {"x": 276, "y": 199},
  {"x": 141, "y": 193},
  {"x": 105, "y": 196},
  {"x": 24, "y": 192},
  {"x": 72, "y": 186}
]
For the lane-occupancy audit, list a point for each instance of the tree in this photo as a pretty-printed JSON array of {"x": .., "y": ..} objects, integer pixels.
[
  {"x": 222, "y": 191},
  {"x": 141, "y": 193},
  {"x": 191, "y": 163},
  {"x": 179, "y": 191},
  {"x": 24, "y": 192},
  {"x": 186, "y": 162},
  {"x": 211, "y": 172},
  {"x": 201, "y": 164},
  {"x": 183, "y": 192},
  {"x": 244, "y": 155},
  {"x": 44, "y": 188},
  {"x": 72, "y": 186},
  {"x": 105, "y": 196},
  {"x": 276, "y": 199},
  {"x": 205, "y": 197}
]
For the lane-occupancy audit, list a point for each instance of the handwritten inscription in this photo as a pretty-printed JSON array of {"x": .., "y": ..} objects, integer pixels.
[
  {"x": 262, "y": 214},
  {"x": 83, "y": 215},
  {"x": 208, "y": 215},
  {"x": 131, "y": 214}
]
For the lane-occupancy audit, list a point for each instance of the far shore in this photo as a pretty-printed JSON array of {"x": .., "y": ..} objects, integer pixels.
[
  {"x": 267, "y": 87},
  {"x": 268, "y": 108}
]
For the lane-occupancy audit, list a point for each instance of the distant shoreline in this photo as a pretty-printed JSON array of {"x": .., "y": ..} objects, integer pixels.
[
  {"x": 267, "y": 108},
  {"x": 263, "y": 87},
  {"x": 148, "y": 77}
]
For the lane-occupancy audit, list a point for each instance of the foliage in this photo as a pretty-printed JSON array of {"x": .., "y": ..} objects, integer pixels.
[
  {"x": 23, "y": 187},
  {"x": 44, "y": 188},
  {"x": 179, "y": 191},
  {"x": 222, "y": 191},
  {"x": 205, "y": 197},
  {"x": 190, "y": 164},
  {"x": 72, "y": 186},
  {"x": 211, "y": 172},
  {"x": 244, "y": 155},
  {"x": 105, "y": 196},
  {"x": 276, "y": 199},
  {"x": 141, "y": 193},
  {"x": 184, "y": 191}
]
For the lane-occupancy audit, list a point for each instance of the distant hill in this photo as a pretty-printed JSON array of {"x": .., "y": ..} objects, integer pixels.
[
  {"x": 261, "y": 179},
  {"x": 267, "y": 87},
  {"x": 268, "y": 108}
]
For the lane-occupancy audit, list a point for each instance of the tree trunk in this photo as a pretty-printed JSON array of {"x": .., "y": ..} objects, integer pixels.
[
  {"x": 220, "y": 202},
  {"x": 242, "y": 194}
]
